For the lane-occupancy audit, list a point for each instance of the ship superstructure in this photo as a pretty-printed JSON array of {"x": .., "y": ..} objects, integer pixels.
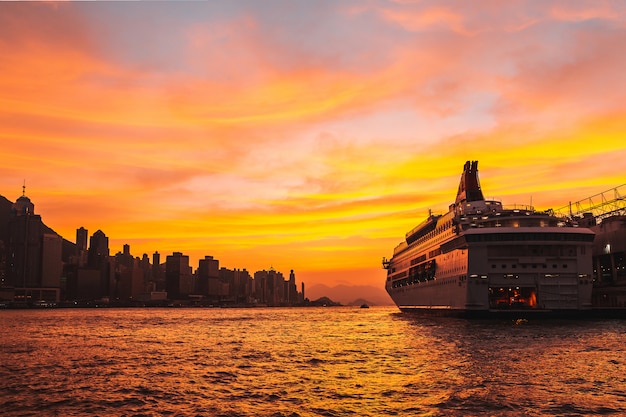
[{"x": 481, "y": 256}]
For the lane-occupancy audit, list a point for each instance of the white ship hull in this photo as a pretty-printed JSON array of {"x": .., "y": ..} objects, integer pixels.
[{"x": 480, "y": 257}]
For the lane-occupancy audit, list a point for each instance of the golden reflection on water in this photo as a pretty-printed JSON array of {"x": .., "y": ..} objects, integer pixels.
[{"x": 305, "y": 362}]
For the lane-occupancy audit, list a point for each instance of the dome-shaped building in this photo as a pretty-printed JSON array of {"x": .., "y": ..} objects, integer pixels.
[{"x": 23, "y": 206}]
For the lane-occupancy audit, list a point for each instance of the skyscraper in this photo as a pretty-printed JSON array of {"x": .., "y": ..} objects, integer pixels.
[
  {"x": 98, "y": 249},
  {"x": 81, "y": 239},
  {"x": 178, "y": 278},
  {"x": 34, "y": 262},
  {"x": 98, "y": 258},
  {"x": 25, "y": 234}
]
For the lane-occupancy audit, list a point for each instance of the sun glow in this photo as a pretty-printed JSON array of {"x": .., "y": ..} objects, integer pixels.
[{"x": 264, "y": 138}]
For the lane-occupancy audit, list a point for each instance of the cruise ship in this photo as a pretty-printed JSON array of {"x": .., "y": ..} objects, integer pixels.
[{"x": 483, "y": 257}]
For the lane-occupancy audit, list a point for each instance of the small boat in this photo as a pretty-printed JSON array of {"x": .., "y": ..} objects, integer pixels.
[{"x": 364, "y": 306}]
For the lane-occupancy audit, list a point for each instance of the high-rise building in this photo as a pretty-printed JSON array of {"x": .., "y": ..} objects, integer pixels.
[
  {"x": 25, "y": 234},
  {"x": 34, "y": 255},
  {"x": 51, "y": 263},
  {"x": 81, "y": 239},
  {"x": 207, "y": 276},
  {"x": 158, "y": 272},
  {"x": 98, "y": 259},
  {"x": 81, "y": 247},
  {"x": 178, "y": 278},
  {"x": 98, "y": 249},
  {"x": 292, "y": 290}
]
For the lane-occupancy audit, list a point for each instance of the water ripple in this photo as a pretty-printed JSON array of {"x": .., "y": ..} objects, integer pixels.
[{"x": 305, "y": 363}]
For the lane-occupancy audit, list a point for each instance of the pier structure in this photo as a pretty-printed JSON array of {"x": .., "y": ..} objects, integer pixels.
[{"x": 605, "y": 214}]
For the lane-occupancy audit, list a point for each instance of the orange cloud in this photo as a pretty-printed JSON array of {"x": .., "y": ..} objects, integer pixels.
[{"x": 243, "y": 136}]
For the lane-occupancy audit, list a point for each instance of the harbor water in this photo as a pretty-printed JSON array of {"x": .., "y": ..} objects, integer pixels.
[{"x": 305, "y": 362}]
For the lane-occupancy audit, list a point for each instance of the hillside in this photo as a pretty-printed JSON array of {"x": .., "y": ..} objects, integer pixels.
[{"x": 349, "y": 294}]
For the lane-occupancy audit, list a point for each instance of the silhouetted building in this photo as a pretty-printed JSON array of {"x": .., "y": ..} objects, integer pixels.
[
  {"x": 98, "y": 249},
  {"x": 240, "y": 288},
  {"x": 158, "y": 272},
  {"x": 130, "y": 275},
  {"x": 98, "y": 259},
  {"x": 207, "y": 277},
  {"x": 51, "y": 263},
  {"x": 25, "y": 240},
  {"x": 178, "y": 277},
  {"x": 292, "y": 290},
  {"x": 81, "y": 239},
  {"x": 33, "y": 262},
  {"x": 125, "y": 258},
  {"x": 271, "y": 288},
  {"x": 146, "y": 268},
  {"x": 81, "y": 247}
]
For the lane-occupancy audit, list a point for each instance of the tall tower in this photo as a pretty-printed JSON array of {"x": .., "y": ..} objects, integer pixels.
[
  {"x": 292, "y": 289},
  {"x": 98, "y": 249},
  {"x": 81, "y": 246},
  {"x": 25, "y": 235},
  {"x": 178, "y": 280},
  {"x": 81, "y": 239},
  {"x": 98, "y": 258}
]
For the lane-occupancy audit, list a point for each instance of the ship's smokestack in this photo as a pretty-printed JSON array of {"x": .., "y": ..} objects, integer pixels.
[{"x": 469, "y": 187}]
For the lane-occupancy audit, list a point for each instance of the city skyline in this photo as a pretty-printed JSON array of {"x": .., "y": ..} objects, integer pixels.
[{"x": 302, "y": 136}]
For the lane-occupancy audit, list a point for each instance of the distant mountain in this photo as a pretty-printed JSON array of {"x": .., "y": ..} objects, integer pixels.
[
  {"x": 350, "y": 294},
  {"x": 324, "y": 302}
]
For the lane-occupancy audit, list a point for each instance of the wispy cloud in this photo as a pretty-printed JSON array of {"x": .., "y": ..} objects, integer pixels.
[{"x": 305, "y": 136}]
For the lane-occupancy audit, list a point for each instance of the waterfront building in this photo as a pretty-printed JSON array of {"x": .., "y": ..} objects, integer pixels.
[
  {"x": 81, "y": 246},
  {"x": 98, "y": 259},
  {"x": 129, "y": 275},
  {"x": 81, "y": 239},
  {"x": 240, "y": 288},
  {"x": 51, "y": 260},
  {"x": 33, "y": 260},
  {"x": 98, "y": 249},
  {"x": 207, "y": 277},
  {"x": 271, "y": 288},
  {"x": 179, "y": 281},
  {"x": 292, "y": 290},
  {"x": 25, "y": 234}
]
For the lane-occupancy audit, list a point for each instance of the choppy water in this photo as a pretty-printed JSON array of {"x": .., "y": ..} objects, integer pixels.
[{"x": 305, "y": 362}]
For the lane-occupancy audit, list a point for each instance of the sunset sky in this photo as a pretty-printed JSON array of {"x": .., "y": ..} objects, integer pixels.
[{"x": 305, "y": 135}]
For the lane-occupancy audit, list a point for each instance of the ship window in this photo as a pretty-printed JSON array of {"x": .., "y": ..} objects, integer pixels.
[
  {"x": 553, "y": 265},
  {"x": 493, "y": 265},
  {"x": 534, "y": 266},
  {"x": 514, "y": 266},
  {"x": 503, "y": 265},
  {"x": 564, "y": 265}
]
